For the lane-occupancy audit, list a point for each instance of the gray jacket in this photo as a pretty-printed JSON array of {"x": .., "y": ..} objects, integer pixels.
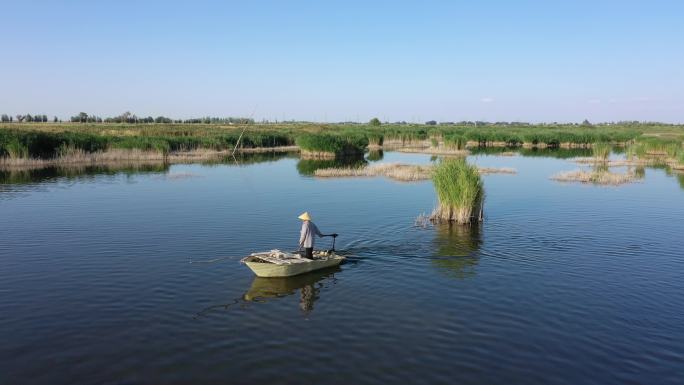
[{"x": 306, "y": 237}]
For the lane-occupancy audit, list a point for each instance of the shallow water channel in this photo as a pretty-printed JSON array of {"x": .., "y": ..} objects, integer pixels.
[{"x": 131, "y": 276}]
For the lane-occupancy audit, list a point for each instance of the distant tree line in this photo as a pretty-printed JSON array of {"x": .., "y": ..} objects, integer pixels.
[
  {"x": 37, "y": 118},
  {"x": 128, "y": 117}
]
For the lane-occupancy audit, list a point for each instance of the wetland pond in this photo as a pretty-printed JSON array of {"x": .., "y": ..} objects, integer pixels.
[{"x": 131, "y": 276}]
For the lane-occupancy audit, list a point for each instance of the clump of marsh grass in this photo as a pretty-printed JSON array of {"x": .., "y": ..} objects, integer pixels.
[
  {"x": 601, "y": 151},
  {"x": 679, "y": 164},
  {"x": 599, "y": 176},
  {"x": 331, "y": 146},
  {"x": 375, "y": 140},
  {"x": 398, "y": 171},
  {"x": 673, "y": 150},
  {"x": 631, "y": 151},
  {"x": 496, "y": 170},
  {"x": 434, "y": 151},
  {"x": 459, "y": 190},
  {"x": 17, "y": 150},
  {"x": 457, "y": 142}
]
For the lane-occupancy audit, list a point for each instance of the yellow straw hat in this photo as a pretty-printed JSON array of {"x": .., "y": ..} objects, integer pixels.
[{"x": 305, "y": 216}]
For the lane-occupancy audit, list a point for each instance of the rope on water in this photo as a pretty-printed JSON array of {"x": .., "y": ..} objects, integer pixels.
[{"x": 215, "y": 259}]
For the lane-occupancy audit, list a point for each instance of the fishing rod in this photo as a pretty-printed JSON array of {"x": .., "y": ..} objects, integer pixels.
[{"x": 243, "y": 131}]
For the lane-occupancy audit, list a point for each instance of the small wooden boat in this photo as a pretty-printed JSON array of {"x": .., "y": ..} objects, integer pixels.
[{"x": 276, "y": 263}]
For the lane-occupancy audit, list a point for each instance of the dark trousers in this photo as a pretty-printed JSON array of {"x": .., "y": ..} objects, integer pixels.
[{"x": 308, "y": 252}]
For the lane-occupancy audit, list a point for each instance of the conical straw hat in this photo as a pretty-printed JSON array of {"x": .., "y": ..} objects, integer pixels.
[{"x": 305, "y": 216}]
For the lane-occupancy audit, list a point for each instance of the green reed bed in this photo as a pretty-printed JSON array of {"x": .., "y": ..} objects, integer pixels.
[
  {"x": 375, "y": 139},
  {"x": 460, "y": 192},
  {"x": 43, "y": 140},
  {"x": 16, "y": 144},
  {"x": 332, "y": 145},
  {"x": 665, "y": 149},
  {"x": 679, "y": 165},
  {"x": 455, "y": 141}
]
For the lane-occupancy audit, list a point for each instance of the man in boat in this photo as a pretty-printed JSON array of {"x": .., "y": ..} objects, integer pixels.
[{"x": 306, "y": 236}]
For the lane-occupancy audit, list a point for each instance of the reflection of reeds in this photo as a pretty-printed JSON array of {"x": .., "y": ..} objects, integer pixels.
[
  {"x": 459, "y": 190},
  {"x": 33, "y": 175},
  {"x": 680, "y": 179},
  {"x": 375, "y": 155},
  {"x": 310, "y": 166},
  {"x": 457, "y": 248}
]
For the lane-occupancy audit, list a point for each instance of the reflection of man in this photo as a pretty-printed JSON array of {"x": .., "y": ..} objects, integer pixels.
[{"x": 309, "y": 295}]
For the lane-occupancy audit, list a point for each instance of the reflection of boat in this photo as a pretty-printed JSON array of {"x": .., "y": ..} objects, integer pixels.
[
  {"x": 458, "y": 240},
  {"x": 276, "y": 263},
  {"x": 279, "y": 287},
  {"x": 264, "y": 288}
]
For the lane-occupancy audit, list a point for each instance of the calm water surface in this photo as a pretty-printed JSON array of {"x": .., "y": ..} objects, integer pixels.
[{"x": 107, "y": 278}]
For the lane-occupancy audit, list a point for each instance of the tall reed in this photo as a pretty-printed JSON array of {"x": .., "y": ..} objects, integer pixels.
[
  {"x": 601, "y": 151},
  {"x": 457, "y": 142},
  {"x": 460, "y": 192}
]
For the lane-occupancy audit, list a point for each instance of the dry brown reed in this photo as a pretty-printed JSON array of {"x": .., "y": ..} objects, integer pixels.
[
  {"x": 305, "y": 154},
  {"x": 598, "y": 177},
  {"x": 253, "y": 150},
  {"x": 434, "y": 151},
  {"x": 398, "y": 171},
  {"x": 77, "y": 157},
  {"x": 619, "y": 162},
  {"x": 401, "y": 172}
]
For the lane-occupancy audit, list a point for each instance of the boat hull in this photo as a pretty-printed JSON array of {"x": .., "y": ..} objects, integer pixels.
[{"x": 273, "y": 270}]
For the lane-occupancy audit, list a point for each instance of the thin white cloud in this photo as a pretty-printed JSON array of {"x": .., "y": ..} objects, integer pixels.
[{"x": 487, "y": 100}]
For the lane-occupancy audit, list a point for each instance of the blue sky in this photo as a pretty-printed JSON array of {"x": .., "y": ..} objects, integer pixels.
[{"x": 346, "y": 60}]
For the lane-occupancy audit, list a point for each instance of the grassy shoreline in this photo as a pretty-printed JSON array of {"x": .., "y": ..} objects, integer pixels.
[
  {"x": 79, "y": 158},
  {"x": 50, "y": 142}
]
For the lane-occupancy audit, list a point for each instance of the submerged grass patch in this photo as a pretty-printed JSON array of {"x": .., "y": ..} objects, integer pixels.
[{"x": 460, "y": 192}]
